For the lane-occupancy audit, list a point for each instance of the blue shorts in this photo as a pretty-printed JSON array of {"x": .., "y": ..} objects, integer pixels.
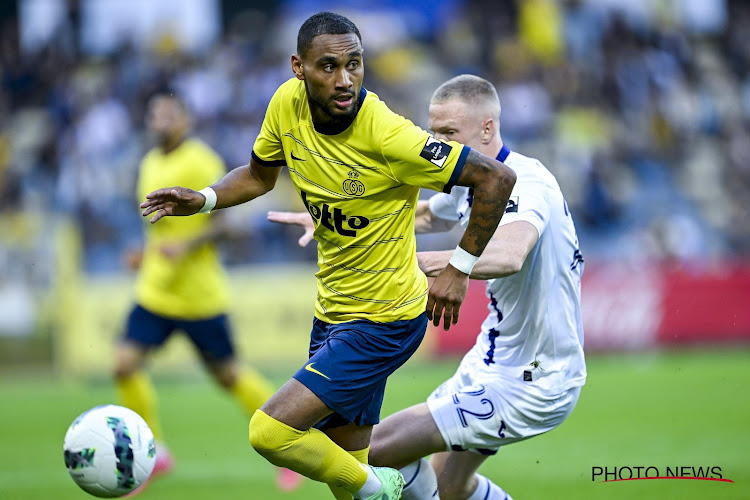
[
  {"x": 210, "y": 336},
  {"x": 350, "y": 362}
]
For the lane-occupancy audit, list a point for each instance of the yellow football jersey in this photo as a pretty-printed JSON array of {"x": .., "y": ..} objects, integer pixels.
[
  {"x": 194, "y": 286},
  {"x": 361, "y": 187}
]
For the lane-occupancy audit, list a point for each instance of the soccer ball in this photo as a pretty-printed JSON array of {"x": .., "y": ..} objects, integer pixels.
[{"x": 109, "y": 451}]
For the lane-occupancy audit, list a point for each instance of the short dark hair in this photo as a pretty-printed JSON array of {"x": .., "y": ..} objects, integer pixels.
[
  {"x": 323, "y": 23},
  {"x": 172, "y": 94}
]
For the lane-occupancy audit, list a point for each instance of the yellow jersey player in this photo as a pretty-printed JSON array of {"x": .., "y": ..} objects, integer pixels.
[
  {"x": 358, "y": 168},
  {"x": 524, "y": 374},
  {"x": 181, "y": 285}
]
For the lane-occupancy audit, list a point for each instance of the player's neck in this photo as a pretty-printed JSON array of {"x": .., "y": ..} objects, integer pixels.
[
  {"x": 172, "y": 144},
  {"x": 328, "y": 125},
  {"x": 332, "y": 127},
  {"x": 493, "y": 147}
]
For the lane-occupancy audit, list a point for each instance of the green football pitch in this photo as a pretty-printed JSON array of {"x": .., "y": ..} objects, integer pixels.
[{"x": 670, "y": 409}]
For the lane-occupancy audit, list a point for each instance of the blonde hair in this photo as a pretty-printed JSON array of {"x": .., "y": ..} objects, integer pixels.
[{"x": 472, "y": 90}]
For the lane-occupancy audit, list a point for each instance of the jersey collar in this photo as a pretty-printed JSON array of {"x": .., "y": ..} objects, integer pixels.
[{"x": 503, "y": 154}]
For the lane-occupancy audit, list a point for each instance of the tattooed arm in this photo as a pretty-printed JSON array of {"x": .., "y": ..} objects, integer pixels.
[{"x": 492, "y": 182}]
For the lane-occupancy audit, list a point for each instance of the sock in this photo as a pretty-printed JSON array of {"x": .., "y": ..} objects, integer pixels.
[
  {"x": 340, "y": 493},
  {"x": 137, "y": 393},
  {"x": 310, "y": 452},
  {"x": 371, "y": 486},
  {"x": 487, "y": 490},
  {"x": 251, "y": 390},
  {"x": 421, "y": 481}
]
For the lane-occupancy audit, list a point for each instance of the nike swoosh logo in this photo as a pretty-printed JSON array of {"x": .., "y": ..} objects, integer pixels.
[
  {"x": 309, "y": 368},
  {"x": 295, "y": 158}
]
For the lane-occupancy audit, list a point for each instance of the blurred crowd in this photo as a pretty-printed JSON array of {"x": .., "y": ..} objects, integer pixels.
[{"x": 640, "y": 108}]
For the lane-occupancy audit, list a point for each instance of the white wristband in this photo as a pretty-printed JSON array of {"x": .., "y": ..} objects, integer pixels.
[
  {"x": 210, "y": 203},
  {"x": 463, "y": 260}
]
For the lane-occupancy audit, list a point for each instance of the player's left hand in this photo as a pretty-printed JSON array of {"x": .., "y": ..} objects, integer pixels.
[{"x": 446, "y": 295}]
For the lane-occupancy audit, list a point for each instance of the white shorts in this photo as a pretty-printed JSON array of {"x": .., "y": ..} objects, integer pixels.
[{"x": 482, "y": 410}]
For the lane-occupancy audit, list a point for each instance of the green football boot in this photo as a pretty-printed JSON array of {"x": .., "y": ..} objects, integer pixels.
[{"x": 392, "y": 482}]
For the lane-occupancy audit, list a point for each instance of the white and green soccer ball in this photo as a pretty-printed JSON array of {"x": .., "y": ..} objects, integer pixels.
[{"x": 109, "y": 451}]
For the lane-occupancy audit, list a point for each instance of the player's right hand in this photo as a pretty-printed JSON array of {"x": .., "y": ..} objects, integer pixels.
[
  {"x": 172, "y": 201},
  {"x": 302, "y": 219},
  {"x": 445, "y": 296}
]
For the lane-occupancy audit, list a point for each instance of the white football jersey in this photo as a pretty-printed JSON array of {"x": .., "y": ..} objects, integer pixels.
[{"x": 533, "y": 331}]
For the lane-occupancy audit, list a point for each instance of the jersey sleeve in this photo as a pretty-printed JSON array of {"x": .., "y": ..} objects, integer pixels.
[
  {"x": 416, "y": 158},
  {"x": 443, "y": 206},
  {"x": 528, "y": 202},
  {"x": 268, "y": 150}
]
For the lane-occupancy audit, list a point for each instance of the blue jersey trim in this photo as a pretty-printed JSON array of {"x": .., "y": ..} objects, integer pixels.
[
  {"x": 457, "y": 170},
  {"x": 268, "y": 163},
  {"x": 503, "y": 154}
]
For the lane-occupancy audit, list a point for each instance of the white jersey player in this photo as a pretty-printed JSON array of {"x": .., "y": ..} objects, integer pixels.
[
  {"x": 533, "y": 332},
  {"x": 524, "y": 374}
]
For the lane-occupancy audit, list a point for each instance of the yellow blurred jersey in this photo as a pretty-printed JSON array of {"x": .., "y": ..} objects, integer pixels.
[
  {"x": 361, "y": 188},
  {"x": 193, "y": 286}
]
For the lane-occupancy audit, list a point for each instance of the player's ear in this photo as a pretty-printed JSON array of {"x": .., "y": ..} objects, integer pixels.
[
  {"x": 297, "y": 67},
  {"x": 488, "y": 130}
]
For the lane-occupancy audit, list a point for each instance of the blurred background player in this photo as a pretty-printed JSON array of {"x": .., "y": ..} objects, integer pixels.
[
  {"x": 181, "y": 285},
  {"x": 358, "y": 168},
  {"x": 523, "y": 376}
]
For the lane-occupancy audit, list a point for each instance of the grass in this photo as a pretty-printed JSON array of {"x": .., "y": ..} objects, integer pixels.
[{"x": 681, "y": 408}]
